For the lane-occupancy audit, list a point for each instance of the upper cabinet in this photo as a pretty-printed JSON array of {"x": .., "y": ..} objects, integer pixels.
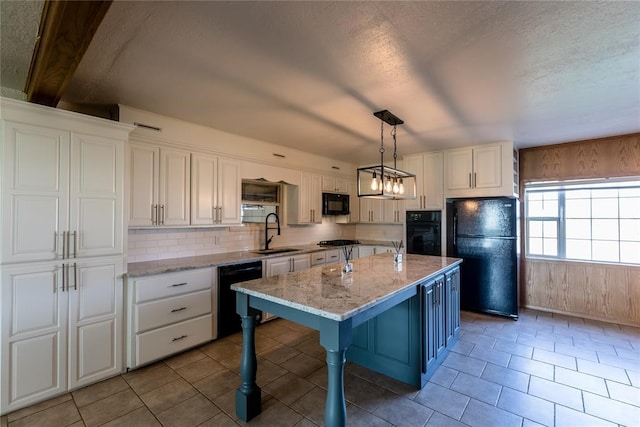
[
  {"x": 160, "y": 182},
  {"x": 334, "y": 184},
  {"x": 63, "y": 193},
  {"x": 428, "y": 169},
  {"x": 215, "y": 190},
  {"x": 480, "y": 171},
  {"x": 305, "y": 201}
]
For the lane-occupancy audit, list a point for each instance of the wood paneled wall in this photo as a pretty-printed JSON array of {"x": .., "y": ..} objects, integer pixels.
[{"x": 593, "y": 290}]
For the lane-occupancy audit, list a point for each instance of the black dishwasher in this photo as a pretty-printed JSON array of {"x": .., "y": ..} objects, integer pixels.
[{"x": 228, "y": 320}]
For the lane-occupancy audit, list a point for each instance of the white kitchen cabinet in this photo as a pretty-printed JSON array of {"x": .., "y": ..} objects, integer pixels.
[
  {"x": 371, "y": 210},
  {"x": 334, "y": 184},
  {"x": 170, "y": 313},
  {"x": 63, "y": 194},
  {"x": 61, "y": 327},
  {"x": 305, "y": 200},
  {"x": 215, "y": 190},
  {"x": 288, "y": 264},
  {"x": 318, "y": 258},
  {"x": 332, "y": 255},
  {"x": 480, "y": 171},
  {"x": 62, "y": 251},
  {"x": 428, "y": 169},
  {"x": 160, "y": 182},
  {"x": 393, "y": 211}
]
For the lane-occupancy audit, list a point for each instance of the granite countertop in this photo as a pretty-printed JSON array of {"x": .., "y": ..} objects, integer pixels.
[
  {"x": 325, "y": 291},
  {"x": 148, "y": 268}
]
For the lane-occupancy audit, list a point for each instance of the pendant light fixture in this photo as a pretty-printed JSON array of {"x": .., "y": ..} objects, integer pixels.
[{"x": 385, "y": 182}]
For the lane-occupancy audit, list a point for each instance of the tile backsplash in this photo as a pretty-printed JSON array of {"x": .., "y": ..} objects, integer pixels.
[{"x": 157, "y": 244}]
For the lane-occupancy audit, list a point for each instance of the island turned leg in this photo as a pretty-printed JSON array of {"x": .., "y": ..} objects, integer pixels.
[
  {"x": 248, "y": 396},
  {"x": 335, "y": 337}
]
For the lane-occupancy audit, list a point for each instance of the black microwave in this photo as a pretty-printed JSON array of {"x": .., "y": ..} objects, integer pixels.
[{"x": 335, "y": 204}]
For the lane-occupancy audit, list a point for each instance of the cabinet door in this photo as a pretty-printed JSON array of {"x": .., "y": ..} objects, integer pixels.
[
  {"x": 364, "y": 251},
  {"x": 318, "y": 258},
  {"x": 276, "y": 266},
  {"x": 433, "y": 182},
  {"x": 372, "y": 210},
  {"x": 144, "y": 163},
  {"x": 365, "y": 209},
  {"x": 487, "y": 164},
  {"x": 389, "y": 211},
  {"x": 34, "y": 335},
  {"x": 459, "y": 168},
  {"x": 96, "y": 196},
  {"x": 301, "y": 262},
  {"x": 95, "y": 321},
  {"x": 332, "y": 255},
  {"x": 342, "y": 185},
  {"x": 328, "y": 184},
  {"x": 316, "y": 199},
  {"x": 35, "y": 185},
  {"x": 452, "y": 306},
  {"x": 229, "y": 191},
  {"x": 414, "y": 164},
  {"x": 304, "y": 199},
  {"x": 439, "y": 320},
  {"x": 204, "y": 171},
  {"x": 429, "y": 347},
  {"x": 175, "y": 178}
]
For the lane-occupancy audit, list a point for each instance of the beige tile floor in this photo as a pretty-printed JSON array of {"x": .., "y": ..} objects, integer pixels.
[{"x": 541, "y": 370}]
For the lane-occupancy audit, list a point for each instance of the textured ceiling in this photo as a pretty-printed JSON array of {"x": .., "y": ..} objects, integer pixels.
[
  {"x": 310, "y": 74},
  {"x": 19, "y": 22}
]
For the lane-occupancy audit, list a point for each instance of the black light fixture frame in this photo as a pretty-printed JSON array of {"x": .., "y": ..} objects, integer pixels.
[{"x": 369, "y": 173}]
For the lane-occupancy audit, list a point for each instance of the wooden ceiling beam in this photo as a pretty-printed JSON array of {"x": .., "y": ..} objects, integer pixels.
[{"x": 66, "y": 29}]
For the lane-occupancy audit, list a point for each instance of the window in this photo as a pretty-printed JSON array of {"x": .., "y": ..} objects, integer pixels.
[{"x": 592, "y": 220}]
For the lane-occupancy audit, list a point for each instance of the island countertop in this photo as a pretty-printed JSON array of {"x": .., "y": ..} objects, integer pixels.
[{"x": 327, "y": 292}]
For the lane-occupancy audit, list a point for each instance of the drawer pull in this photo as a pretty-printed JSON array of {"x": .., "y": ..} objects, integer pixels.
[
  {"x": 179, "y": 284},
  {"x": 179, "y": 338},
  {"x": 178, "y": 309}
]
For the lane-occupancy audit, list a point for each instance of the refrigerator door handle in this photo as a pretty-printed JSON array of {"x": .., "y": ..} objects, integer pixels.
[{"x": 455, "y": 228}]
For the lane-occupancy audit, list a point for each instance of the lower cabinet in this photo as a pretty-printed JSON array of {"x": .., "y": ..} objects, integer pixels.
[
  {"x": 61, "y": 328},
  {"x": 408, "y": 341},
  {"x": 289, "y": 264},
  {"x": 170, "y": 313}
]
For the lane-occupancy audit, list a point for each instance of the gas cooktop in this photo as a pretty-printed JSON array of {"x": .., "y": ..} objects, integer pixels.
[{"x": 338, "y": 242}]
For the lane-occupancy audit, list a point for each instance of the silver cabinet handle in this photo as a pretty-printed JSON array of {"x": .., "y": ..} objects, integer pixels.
[
  {"x": 175, "y": 310},
  {"x": 178, "y": 284},
  {"x": 470, "y": 180},
  {"x": 64, "y": 276},
  {"x": 75, "y": 243},
  {"x": 75, "y": 277},
  {"x": 154, "y": 215},
  {"x": 475, "y": 180},
  {"x": 179, "y": 338},
  {"x": 221, "y": 213},
  {"x": 162, "y": 214}
]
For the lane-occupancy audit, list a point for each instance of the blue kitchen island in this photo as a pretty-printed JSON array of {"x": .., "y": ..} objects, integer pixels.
[{"x": 396, "y": 319}]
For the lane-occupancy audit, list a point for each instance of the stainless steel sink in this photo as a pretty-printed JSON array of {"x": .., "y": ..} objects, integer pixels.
[{"x": 274, "y": 251}]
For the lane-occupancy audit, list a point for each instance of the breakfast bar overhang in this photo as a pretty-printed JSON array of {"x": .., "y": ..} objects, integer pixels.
[{"x": 394, "y": 318}]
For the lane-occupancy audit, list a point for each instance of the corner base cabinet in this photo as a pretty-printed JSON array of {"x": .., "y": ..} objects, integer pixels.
[
  {"x": 169, "y": 313},
  {"x": 409, "y": 340}
]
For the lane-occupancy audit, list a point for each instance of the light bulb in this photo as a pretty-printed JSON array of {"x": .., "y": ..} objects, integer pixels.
[
  {"x": 396, "y": 187},
  {"x": 401, "y": 186},
  {"x": 388, "y": 185},
  {"x": 374, "y": 182}
]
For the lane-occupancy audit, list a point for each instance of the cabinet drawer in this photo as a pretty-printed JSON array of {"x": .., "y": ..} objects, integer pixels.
[
  {"x": 166, "y": 311},
  {"x": 332, "y": 255},
  {"x": 162, "y": 342},
  {"x": 171, "y": 284},
  {"x": 317, "y": 258}
]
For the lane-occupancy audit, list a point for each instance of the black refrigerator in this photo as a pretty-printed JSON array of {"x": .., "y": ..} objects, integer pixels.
[{"x": 483, "y": 233}]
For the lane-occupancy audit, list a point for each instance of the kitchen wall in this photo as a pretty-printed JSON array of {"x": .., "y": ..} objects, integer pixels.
[
  {"x": 593, "y": 290},
  {"x": 384, "y": 232},
  {"x": 156, "y": 244}
]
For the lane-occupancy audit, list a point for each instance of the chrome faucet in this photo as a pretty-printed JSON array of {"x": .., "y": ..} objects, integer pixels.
[{"x": 268, "y": 239}]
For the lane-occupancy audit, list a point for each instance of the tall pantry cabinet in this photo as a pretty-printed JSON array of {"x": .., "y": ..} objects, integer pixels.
[{"x": 62, "y": 251}]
